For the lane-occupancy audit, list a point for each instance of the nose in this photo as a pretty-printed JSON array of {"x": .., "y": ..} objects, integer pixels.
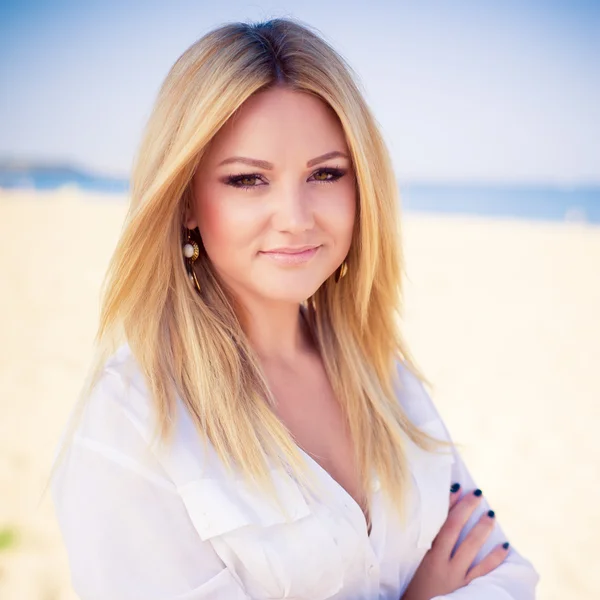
[{"x": 293, "y": 210}]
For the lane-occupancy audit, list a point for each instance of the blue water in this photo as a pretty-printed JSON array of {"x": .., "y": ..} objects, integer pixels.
[
  {"x": 525, "y": 202},
  {"x": 52, "y": 178}
]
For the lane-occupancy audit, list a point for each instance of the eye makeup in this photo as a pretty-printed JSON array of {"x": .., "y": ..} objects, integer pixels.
[{"x": 235, "y": 180}]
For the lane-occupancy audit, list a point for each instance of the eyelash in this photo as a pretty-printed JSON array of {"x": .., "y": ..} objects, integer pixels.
[{"x": 233, "y": 180}]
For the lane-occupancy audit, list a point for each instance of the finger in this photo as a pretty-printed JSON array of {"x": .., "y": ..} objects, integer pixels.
[
  {"x": 494, "y": 559},
  {"x": 454, "y": 494},
  {"x": 465, "y": 553},
  {"x": 457, "y": 517}
]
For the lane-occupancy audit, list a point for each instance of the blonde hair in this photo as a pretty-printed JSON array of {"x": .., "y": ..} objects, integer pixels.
[{"x": 193, "y": 344}]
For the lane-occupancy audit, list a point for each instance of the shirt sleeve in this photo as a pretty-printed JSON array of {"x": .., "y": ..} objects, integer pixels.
[
  {"x": 126, "y": 530},
  {"x": 515, "y": 578}
]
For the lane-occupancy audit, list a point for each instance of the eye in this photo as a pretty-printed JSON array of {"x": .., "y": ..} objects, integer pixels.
[
  {"x": 243, "y": 181},
  {"x": 328, "y": 174}
]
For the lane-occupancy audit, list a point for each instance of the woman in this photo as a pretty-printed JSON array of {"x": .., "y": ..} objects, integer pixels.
[{"x": 253, "y": 425}]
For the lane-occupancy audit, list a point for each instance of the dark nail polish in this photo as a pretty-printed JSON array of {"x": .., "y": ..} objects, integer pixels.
[
  {"x": 478, "y": 492},
  {"x": 505, "y": 545},
  {"x": 491, "y": 514},
  {"x": 455, "y": 487}
]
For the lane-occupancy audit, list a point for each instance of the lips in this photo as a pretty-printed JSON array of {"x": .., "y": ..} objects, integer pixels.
[
  {"x": 290, "y": 250},
  {"x": 291, "y": 256}
]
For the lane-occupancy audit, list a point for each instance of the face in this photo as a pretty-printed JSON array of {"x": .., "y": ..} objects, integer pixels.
[{"x": 274, "y": 197}]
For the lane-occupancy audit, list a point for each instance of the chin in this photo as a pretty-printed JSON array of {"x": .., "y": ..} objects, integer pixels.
[{"x": 286, "y": 289}]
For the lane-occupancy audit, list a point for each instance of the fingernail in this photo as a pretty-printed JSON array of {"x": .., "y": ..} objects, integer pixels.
[
  {"x": 505, "y": 545},
  {"x": 455, "y": 487},
  {"x": 478, "y": 492},
  {"x": 491, "y": 514}
]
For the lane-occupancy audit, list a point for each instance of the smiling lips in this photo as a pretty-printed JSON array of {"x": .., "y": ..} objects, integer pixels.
[{"x": 292, "y": 256}]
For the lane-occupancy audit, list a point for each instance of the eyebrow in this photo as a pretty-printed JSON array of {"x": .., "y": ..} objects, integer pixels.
[{"x": 263, "y": 164}]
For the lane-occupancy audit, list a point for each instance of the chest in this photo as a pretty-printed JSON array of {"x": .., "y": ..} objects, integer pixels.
[
  {"x": 307, "y": 406},
  {"x": 322, "y": 550}
]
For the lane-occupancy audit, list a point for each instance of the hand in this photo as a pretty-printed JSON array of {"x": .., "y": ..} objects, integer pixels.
[{"x": 443, "y": 570}]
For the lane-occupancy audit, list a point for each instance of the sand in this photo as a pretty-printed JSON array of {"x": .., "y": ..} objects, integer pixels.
[{"x": 502, "y": 315}]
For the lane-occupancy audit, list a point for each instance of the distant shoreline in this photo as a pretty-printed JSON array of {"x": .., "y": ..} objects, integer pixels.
[{"x": 544, "y": 202}]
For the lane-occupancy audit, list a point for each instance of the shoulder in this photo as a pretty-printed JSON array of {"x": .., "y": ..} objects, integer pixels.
[
  {"x": 107, "y": 434},
  {"x": 121, "y": 414},
  {"x": 133, "y": 396},
  {"x": 119, "y": 394},
  {"x": 114, "y": 416},
  {"x": 413, "y": 395}
]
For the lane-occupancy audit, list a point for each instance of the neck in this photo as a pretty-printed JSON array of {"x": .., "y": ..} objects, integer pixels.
[{"x": 276, "y": 330}]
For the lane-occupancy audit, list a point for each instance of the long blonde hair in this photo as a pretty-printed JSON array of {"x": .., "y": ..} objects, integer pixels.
[{"x": 193, "y": 344}]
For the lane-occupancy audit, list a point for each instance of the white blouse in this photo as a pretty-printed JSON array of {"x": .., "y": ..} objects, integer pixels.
[{"x": 144, "y": 522}]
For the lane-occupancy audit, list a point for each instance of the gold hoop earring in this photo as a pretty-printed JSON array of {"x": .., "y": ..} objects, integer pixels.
[
  {"x": 191, "y": 252},
  {"x": 341, "y": 271}
]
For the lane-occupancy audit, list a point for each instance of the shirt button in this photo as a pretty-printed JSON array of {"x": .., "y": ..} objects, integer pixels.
[{"x": 372, "y": 569}]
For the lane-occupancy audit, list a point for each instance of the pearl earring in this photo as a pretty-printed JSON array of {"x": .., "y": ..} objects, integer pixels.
[{"x": 191, "y": 251}]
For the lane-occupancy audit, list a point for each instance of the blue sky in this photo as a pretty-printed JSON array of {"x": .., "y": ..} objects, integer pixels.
[{"x": 464, "y": 91}]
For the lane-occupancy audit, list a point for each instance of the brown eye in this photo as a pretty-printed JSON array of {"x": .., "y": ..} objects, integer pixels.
[
  {"x": 328, "y": 175},
  {"x": 248, "y": 180},
  {"x": 243, "y": 181},
  {"x": 322, "y": 176}
]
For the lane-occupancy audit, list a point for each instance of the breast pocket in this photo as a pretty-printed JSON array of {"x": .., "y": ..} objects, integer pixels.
[
  {"x": 269, "y": 556},
  {"x": 432, "y": 472}
]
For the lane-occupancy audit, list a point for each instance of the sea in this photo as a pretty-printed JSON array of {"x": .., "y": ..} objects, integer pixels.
[{"x": 532, "y": 202}]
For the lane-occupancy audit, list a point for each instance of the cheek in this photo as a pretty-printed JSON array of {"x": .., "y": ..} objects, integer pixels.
[
  {"x": 226, "y": 223},
  {"x": 213, "y": 223},
  {"x": 337, "y": 215}
]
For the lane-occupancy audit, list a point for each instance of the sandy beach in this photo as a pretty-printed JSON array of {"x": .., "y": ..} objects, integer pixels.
[{"x": 502, "y": 315}]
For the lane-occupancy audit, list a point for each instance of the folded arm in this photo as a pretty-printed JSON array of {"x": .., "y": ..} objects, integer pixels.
[{"x": 515, "y": 578}]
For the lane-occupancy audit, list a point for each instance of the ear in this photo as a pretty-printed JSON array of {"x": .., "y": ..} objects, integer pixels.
[
  {"x": 191, "y": 222},
  {"x": 189, "y": 219}
]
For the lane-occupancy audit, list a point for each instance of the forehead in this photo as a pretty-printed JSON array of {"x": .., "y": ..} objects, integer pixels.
[{"x": 278, "y": 125}]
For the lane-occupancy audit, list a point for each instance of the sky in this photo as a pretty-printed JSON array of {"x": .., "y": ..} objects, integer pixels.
[{"x": 464, "y": 91}]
